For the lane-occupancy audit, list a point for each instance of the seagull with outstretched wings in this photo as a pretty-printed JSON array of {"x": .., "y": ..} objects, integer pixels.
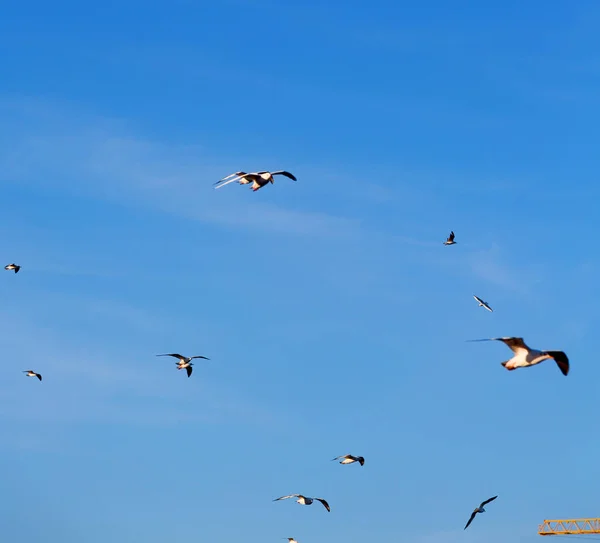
[
  {"x": 479, "y": 509},
  {"x": 303, "y": 500},
  {"x": 349, "y": 459},
  {"x": 185, "y": 362},
  {"x": 526, "y": 356},
  {"x": 483, "y": 304},
  {"x": 258, "y": 179}
]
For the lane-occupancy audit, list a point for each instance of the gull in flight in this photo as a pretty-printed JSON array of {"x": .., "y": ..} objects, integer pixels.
[
  {"x": 479, "y": 509},
  {"x": 184, "y": 362},
  {"x": 303, "y": 500},
  {"x": 483, "y": 304},
  {"x": 349, "y": 459},
  {"x": 450, "y": 240},
  {"x": 31, "y": 373},
  {"x": 290, "y": 539},
  {"x": 12, "y": 266},
  {"x": 526, "y": 356},
  {"x": 258, "y": 179}
]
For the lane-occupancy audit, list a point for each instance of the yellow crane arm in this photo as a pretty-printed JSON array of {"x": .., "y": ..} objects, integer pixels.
[{"x": 570, "y": 526}]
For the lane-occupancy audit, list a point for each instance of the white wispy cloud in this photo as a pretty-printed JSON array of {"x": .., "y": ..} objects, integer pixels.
[{"x": 89, "y": 155}]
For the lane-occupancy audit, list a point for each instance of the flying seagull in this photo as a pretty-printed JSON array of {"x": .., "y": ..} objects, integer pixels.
[
  {"x": 483, "y": 304},
  {"x": 184, "y": 362},
  {"x": 303, "y": 500},
  {"x": 12, "y": 266},
  {"x": 290, "y": 539},
  {"x": 349, "y": 459},
  {"x": 479, "y": 509},
  {"x": 31, "y": 373},
  {"x": 450, "y": 240},
  {"x": 526, "y": 356},
  {"x": 258, "y": 179}
]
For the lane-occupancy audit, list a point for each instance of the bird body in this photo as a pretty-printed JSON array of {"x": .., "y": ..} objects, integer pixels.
[
  {"x": 450, "y": 240},
  {"x": 483, "y": 304},
  {"x": 526, "y": 356},
  {"x": 479, "y": 509},
  {"x": 12, "y": 266},
  {"x": 31, "y": 373},
  {"x": 349, "y": 459},
  {"x": 304, "y": 500},
  {"x": 258, "y": 179}
]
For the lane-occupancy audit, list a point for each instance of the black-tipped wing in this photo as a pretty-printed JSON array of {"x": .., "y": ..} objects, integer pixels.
[
  {"x": 175, "y": 355},
  {"x": 361, "y": 460},
  {"x": 561, "y": 359},
  {"x": 451, "y": 236},
  {"x": 325, "y": 504},
  {"x": 286, "y": 497},
  {"x": 189, "y": 370},
  {"x": 478, "y": 299},
  {"x": 287, "y": 174},
  {"x": 205, "y": 358},
  {"x": 38, "y": 376},
  {"x": 488, "y": 501},
  {"x": 470, "y": 520}
]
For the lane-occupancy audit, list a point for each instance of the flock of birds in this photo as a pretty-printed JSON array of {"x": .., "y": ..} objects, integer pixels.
[{"x": 523, "y": 356}]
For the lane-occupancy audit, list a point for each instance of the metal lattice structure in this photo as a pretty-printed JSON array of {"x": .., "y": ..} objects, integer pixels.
[{"x": 578, "y": 526}]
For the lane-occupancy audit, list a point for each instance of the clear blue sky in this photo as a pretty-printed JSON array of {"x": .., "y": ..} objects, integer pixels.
[{"x": 334, "y": 317}]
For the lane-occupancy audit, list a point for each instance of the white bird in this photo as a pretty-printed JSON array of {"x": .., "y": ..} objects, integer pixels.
[
  {"x": 12, "y": 266},
  {"x": 479, "y": 509},
  {"x": 525, "y": 356},
  {"x": 349, "y": 459},
  {"x": 483, "y": 304},
  {"x": 290, "y": 539},
  {"x": 31, "y": 373},
  {"x": 450, "y": 240},
  {"x": 258, "y": 179},
  {"x": 185, "y": 362},
  {"x": 303, "y": 500}
]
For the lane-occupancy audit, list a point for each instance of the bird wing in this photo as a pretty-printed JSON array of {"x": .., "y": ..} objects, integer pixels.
[
  {"x": 451, "y": 236},
  {"x": 236, "y": 174},
  {"x": 192, "y": 357},
  {"x": 487, "y": 306},
  {"x": 343, "y": 456},
  {"x": 189, "y": 370},
  {"x": 471, "y": 519},
  {"x": 287, "y": 174},
  {"x": 286, "y": 497},
  {"x": 561, "y": 359},
  {"x": 516, "y": 344},
  {"x": 325, "y": 504},
  {"x": 222, "y": 183},
  {"x": 172, "y": 354},
  {"x": 38, "y": 376},
  {"x": 478, "y": 299},
  {"x": 488, "y": 501}
]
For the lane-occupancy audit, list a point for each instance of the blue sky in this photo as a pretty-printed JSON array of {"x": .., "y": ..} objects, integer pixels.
[{"x": 334, "y": 317}]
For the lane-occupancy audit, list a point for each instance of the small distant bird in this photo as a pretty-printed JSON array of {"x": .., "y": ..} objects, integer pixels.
[
  {"x": 479, "y": 509},
  {"x": 450, "y": 240},
  {"x": 258, "y": 179},
  {"x": 303, "y": 500},
  {"x": 290, "y": 539},
  {"x": 12, "y": 267},
  {"x": 31, "y": 373},
  {"x": 184, "y": 362},
  {"x": 525, "y": 356},
  {"x": 349, "y": 459},
  {"x": 483, "y": 304}
]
